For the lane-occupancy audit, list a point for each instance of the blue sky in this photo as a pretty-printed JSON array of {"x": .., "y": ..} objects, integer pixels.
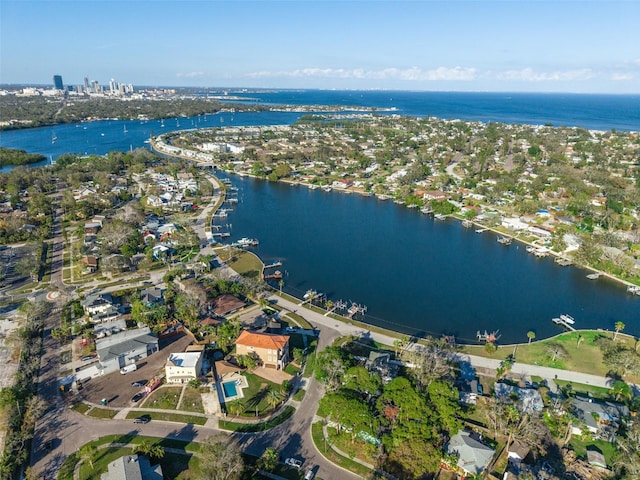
[{"x": 532, "y": 46}]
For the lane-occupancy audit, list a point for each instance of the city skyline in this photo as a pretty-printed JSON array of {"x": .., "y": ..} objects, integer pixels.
[{"x": 565, "y": 46}]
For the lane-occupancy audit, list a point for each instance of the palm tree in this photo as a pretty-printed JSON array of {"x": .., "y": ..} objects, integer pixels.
[
  {"x": 273, "y": 398},
  {"x": 235, "y": 408},
  {"x": 531, "y": 335},
  {"x": 619, "y": 327},
  {"x": 87, "y": 452}
]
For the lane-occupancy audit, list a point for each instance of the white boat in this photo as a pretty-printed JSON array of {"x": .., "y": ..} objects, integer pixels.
[
  {"x": 633, "y": 289},
  {"x": 467, "y": 223},
  {"x": 593, "y": 276},
  {"x": 439, "y": 216},
  {"x": 568, "y": 318},
  {"x": 248, "y": 242}
]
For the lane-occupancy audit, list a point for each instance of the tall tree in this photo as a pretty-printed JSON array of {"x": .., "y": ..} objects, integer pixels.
[
  {"x": 220, "y": 460},
  {"x": 619, "y": 326},
  {"x": 531, "y": 335}
]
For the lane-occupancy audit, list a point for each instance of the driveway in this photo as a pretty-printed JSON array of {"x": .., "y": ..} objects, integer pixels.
[{"x": 117, "y": 389}]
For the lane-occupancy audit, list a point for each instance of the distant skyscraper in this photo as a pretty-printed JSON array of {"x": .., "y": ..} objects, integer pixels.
[
  {"x": 86, "y": 84},
  {"x": 57, "y": 82}
]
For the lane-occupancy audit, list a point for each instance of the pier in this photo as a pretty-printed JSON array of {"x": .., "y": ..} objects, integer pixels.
[
  {"x": 273, "y": 265},
  {"x": 560, "y": 322}
]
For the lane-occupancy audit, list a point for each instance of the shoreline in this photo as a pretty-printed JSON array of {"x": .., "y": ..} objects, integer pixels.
[{"x": 496, "y": 230}]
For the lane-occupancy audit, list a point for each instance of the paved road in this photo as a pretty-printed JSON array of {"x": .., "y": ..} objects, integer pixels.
[{"x": 320, "y": 321}]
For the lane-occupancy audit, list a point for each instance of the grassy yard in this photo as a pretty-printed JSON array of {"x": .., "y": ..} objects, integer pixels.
[
  {"x": 255, "y": 396},
  {"x": 192, "y": 400},
  {"x": 246, "y": 262},
  {"x": 81, "y": 408},
  {"x": 97, "y": 412},
  {"x": 581, "y": 446},
  {"x": 258, "y": 427},
  {"x": 175, "y": 466},
  {"x": 164, "y": 398},
  {"x": 297, "y": 320},
  {"x": 331, "y": 455},
  {"x": 586, "y": 357}
]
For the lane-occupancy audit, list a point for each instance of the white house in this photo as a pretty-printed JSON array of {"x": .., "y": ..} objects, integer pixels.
[{"x": 183, "y": 367}]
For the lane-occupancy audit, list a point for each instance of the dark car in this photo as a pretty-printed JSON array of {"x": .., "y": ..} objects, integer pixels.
[
  {"x": 139, "y": 383},
  {"x": 142, "y": 419},
  {"x": 137, "y": 397},
  {"x": 88, "y": 357}
]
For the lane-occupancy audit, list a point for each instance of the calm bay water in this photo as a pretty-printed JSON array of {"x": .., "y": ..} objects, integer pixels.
[{"x": 414, "y": 275}]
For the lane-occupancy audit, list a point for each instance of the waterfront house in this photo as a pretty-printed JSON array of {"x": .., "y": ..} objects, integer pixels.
[
  {"x": 272, "y": 351},
  {"x": 437, "y": 195},
  {"x": 473, "y": 455},
  {"x": 183, "y": 367}
]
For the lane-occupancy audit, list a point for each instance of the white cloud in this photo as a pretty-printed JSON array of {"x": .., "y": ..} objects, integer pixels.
[
  {"x": 409, "y": 74},
  {"x": 189, "y": 74},
  {"x": 622, "y": 76},
  {"x": 530, "y": 75}
]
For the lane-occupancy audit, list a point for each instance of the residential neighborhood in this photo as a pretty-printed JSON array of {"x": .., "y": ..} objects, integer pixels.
[{"x": 159, "y": 322}]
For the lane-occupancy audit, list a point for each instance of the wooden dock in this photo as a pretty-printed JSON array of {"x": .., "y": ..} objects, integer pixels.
[{"x": 560, "y": 322}]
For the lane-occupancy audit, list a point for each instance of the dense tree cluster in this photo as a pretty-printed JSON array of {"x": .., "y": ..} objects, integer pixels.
[{"x": 413, "y": 420}]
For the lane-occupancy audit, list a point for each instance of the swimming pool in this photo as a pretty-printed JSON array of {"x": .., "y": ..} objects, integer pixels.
[{"x": 230, "y": 389}]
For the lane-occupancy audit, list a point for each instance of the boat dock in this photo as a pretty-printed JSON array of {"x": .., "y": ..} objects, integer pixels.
[
  {"x": 274, "y": 264},
  {"x": 505, "y": 240},
  {"x": 277, "y": 275},
  {"x": 563, "y": 261},
  {"x": 560, "y": 322}
]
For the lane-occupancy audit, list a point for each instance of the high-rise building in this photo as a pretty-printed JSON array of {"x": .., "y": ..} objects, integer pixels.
[
  {"x": 86, "y": 84},
  {"x": 57, "y": 82}
]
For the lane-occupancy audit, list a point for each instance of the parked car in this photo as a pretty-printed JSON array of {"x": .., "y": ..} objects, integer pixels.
[
  {"x": 88, "y": 357},
  {"x": 137, "y": 397},
  {"x": 309, "y": 475},
  {"x": 294, "y": 463},
  {"x": 142, "y": 419},
  {"x": 129, "y": 368},
  {"x": 139, "y": 383}
]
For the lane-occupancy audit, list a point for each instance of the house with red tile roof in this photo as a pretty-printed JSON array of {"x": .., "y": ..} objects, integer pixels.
[{"x": 271, "y": 350}]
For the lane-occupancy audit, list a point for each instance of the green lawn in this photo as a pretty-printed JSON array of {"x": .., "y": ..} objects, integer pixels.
[
  {"x": 165, "y": 398},
  {"x": 97, "y": 412},
  {"x": 331, "y": 455},
  {"x": 255, "y": 395},
  {"x": 246, "y": 262},
  {"x": 258, "y": 427},
  {"x": 81, "y": 408},
  {"x": 586, "y": 358},
  {"x": 192, "y": 400},
  {"x": 580, "y": 447}
]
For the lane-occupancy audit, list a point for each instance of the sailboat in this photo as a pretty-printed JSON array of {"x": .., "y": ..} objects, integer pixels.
[
  {"x": 125, "y": 129},
  {"x": 53, "y": 138}
]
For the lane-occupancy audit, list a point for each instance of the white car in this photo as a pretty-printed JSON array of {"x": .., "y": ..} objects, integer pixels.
[
  {"x": 309, "y": 475},
  {"x": 294, "y": 463}
]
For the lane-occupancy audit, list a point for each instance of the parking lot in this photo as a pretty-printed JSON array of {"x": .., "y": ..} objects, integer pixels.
[{"x": 116, "y": 388}]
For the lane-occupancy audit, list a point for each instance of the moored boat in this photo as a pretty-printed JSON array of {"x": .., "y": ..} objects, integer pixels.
[{"x": 568, "y": 318}]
